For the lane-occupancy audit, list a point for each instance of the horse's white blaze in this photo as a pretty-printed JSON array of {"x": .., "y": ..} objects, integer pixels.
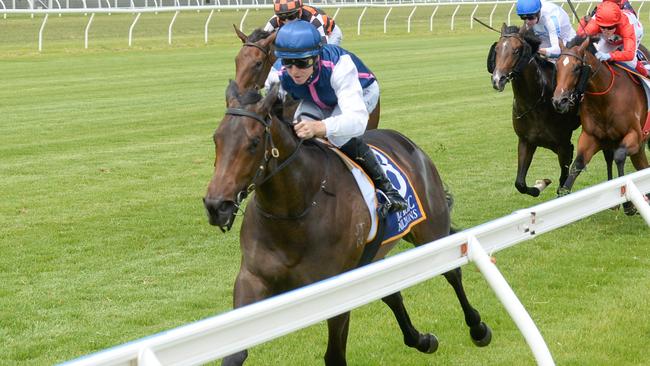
[{"x": 566, "y": 61}]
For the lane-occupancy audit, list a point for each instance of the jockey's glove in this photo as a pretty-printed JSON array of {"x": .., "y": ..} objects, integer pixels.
[{"x": 602, "y": 56}]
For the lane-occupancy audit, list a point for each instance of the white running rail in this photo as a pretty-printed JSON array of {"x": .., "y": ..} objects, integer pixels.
[
  {"x": 156, "y": 8},
  {"x": 239, "y": 329}
]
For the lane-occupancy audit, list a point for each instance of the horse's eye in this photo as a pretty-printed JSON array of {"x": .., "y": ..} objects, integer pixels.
[
  {"x": 516, "y": 51},
  {"x": 258, "y": 64},
  {"x": 254, "y": 143}
]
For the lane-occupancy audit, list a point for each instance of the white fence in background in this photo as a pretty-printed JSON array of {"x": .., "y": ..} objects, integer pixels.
[
  {"x": 219, "y": 336},
  {"x": 38, "y": 7}
]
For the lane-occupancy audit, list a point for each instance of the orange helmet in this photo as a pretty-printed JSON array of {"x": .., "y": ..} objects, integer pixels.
[
  {"x": 608, "y": 14},
  {"x": 286, "y": 6}
]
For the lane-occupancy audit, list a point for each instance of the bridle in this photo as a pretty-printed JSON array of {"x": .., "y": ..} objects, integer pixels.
[
  {"x": 586, "y": 73},
  {"x": 267, "y": 54},
  {"x": 270, "y": 152}
]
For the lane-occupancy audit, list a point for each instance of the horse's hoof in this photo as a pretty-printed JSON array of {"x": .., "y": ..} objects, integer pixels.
[
  {"x": 561, "y": 192},
  {"x": 428, "y": 343},
  {"x": 630, "y": 209},
  {"x": 487, "y": 336}
]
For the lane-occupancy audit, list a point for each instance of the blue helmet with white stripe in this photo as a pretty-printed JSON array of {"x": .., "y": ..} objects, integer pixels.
[
  {"x": 526, "y": 7},
  {"x": 298, "y": 39}
]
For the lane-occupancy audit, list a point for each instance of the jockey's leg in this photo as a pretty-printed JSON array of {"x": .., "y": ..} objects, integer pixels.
[{"x": 359, "y": 151}]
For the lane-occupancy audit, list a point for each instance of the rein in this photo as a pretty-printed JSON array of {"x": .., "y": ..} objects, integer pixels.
[{"x": 272, "y": 153}]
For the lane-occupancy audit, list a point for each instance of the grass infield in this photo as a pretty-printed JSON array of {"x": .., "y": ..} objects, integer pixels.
[{"x": 105, "y": 154}]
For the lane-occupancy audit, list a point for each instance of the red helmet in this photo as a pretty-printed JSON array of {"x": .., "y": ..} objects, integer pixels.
[
  {"x": 286, "y": 6},
  {"x": 617, "y": 2},
  {"x": 608, "y": 14}
]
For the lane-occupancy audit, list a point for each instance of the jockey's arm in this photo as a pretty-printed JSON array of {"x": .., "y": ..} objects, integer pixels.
[
  {"x": 590, "y": 29},
  {"x": 629, "y": 45},
  {"x": 354, "y": 117},
  {"x": 552, "y": 25},
  {"x": 269, "y": 27}
]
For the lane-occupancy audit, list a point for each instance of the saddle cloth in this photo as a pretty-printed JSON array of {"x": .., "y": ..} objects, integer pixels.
[{"x": 398, "y": 224}]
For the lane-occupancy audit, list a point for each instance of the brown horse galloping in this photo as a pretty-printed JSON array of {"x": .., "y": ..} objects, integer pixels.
[
  {"x": 612, "y": 111},
  {"x": 307, "y": 220},
  {"x": 255, "y": 59},
  {"x": 534, "y": 119}
]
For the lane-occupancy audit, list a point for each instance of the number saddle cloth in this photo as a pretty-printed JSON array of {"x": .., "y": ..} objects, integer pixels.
[{"x": 397, "y": 224}]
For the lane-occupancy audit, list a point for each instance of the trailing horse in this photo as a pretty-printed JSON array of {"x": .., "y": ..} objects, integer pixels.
[
  {"x": 613, "y": 108},
  {"x": 535, "y": 121},
  {"x": 307, "y": 220}
]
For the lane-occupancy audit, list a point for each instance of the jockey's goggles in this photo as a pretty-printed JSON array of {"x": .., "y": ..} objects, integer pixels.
[
  {"x": 609, "y": 27},
  {"x": 301, "y": 63},
  {"x": 289, "y": 16},
  {"x": 528, "y": 16}
]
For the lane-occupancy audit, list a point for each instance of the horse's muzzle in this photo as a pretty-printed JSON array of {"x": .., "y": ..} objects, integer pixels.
[
  {"x": 220, "y": 213},
  {"x": 562, "y": 103},
  {"x": 499, "y": 81}
]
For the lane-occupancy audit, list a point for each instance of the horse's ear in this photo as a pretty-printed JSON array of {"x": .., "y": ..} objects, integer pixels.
[
  {"x": 268, "y": 41},
  {"x": 503, "y": 28},
  {"x": 561, "y": 43},
  {"x": 240, "y": 34},
  {"x": 232, "y": 92},
  {"x": 271, "y": 97},
  {"x": 585, "y": 44}
]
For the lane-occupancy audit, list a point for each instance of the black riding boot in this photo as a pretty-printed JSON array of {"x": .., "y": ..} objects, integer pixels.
[{"x": 357, "y": 150}]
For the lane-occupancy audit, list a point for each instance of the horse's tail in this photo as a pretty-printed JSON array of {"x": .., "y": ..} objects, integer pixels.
[{"x": 449, "y": 197}]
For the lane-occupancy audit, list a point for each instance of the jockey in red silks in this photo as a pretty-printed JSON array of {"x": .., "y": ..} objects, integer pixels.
[{"x": 621, "y": 34}]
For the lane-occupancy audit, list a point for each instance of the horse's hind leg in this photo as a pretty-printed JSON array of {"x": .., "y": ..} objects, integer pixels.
[
  {"x": 479, "y": 331},
  {"x": 426, "y": 343},
  {"x": 337, "y": 328}
]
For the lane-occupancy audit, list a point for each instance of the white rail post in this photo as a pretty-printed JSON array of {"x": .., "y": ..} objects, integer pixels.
[
  {"x": 492, "y": 13},
  {"x": 92, "y": 16},
  {"x": 241, "y": 23},
  {"x": 363, "y": 12},
  {"x": 131, "y": 28},
  {"x": 431, "y": 18},
  {"x": 206, "y": 26},
  {"x": 633, "y": 194},
  {"x": 336, "y": 13},
  {"x": 386, "y": 18},
  {"x": 408, "y": 24},
  {"x": 510, "y": 12},
  {"x": 454, "y": 16},
  {"x": 518, "y": 313},
  {"x": 471, "y": 17},
  {"x": 171, "y": 25},
  {"x": 573, "y": 15},
  {"x": 40, "y": 33}
]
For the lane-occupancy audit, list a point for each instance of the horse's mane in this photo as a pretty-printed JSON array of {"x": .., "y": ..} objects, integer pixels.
[
  {"x": 528, "y": 36},
  {"x": 578, "y": 41},
  {"x": 258, "y": 34}
]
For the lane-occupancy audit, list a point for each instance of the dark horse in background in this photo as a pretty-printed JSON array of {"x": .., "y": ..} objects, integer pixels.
[
  {"x": 613, "y": 109},
  {"x": 254, "y": 61},
  {"x": 307, "y": 220},
  {"x": 514, "y": 58}
]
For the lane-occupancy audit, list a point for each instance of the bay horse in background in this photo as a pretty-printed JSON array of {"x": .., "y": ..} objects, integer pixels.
[
  {"x": 255, "y": 60},
  {"x": 307, "y": 221},
  {"x": 514, "y": 58},
  {"x": 613, "y": 108}
]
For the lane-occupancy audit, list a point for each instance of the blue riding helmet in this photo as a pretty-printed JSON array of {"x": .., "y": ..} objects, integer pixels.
[
  {"x": 298, "y": 39},
  {"x": 526, "y": 7}
]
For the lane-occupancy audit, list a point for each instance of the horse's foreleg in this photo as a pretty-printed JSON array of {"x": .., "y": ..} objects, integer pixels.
[
  {"x": 525, "y": 152},
  {"x": 609, "y": 160},
  {"x": 337, "y": 328},
  {"x": 564, "y": 157},
  {"x": 479, "y": 331},
  {"x": 426, "y": 343},
  {"x": 248, "y": 289},
  {"x": 587, "y": 147}
]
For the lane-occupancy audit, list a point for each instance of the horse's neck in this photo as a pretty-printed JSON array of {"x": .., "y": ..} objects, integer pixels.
[
  {"x": 291, "y": 190},
  {"x": 602, "y": 79},
  {"x": 531, "y": 83}
]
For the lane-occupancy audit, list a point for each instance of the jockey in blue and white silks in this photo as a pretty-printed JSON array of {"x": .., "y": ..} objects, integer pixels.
[
  {"x": 549, "y": 22},
  {"x": 337, "y": 93}
]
